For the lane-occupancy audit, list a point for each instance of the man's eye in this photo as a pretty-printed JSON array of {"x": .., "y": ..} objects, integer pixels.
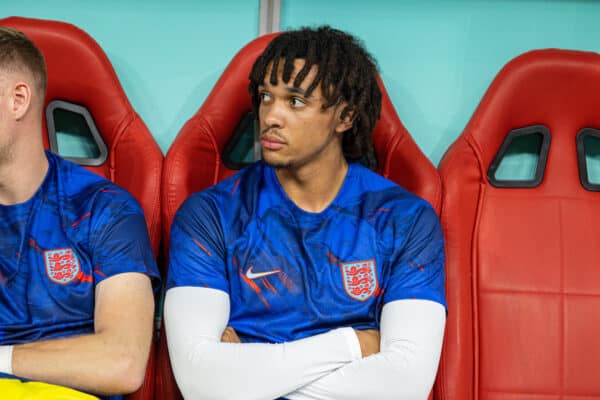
[{"x": 297, "y": 102}]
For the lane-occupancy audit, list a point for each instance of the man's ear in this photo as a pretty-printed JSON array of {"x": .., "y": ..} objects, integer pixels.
[
  {"x": 344, "y": 123},
  {"x": 21, "y": 99}
]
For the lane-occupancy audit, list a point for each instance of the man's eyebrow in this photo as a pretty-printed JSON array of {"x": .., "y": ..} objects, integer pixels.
[
  {"x": 289, "y": 89},
  {"x": 297, "y": 90}
]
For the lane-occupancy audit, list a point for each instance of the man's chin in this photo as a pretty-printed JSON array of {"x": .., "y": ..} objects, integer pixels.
[{"x": 277, "y": 164}]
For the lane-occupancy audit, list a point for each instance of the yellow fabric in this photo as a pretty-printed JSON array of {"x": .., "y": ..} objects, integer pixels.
[{"x": 14, "y": 389}]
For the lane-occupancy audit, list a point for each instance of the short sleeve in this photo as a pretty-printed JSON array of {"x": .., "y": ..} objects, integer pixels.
[
  {"x": 197, "y": 246},
  {"x": 119, "y": 237},
  {"x": 417, "y": 270}
]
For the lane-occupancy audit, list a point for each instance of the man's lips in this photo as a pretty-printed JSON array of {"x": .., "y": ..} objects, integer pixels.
[{"x": 270, "y": 142}]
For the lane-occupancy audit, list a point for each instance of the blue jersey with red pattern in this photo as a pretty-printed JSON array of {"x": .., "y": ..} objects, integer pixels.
[
  {"x": 77, "y": 230},
  {"x": 291, "y": 273}
]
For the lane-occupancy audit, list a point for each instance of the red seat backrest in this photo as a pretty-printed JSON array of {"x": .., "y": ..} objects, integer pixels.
[
  {"x": 523, "y": 282},
  {"x": 194, "y": 161},
  {"x": 80, "y": 72}
]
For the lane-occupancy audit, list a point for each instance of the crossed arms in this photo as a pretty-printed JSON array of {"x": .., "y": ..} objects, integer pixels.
[{"x": 325, "y": 366}]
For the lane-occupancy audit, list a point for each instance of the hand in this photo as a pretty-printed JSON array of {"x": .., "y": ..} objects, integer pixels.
[
  {"x": 369, "y": 341},
  {"x": 230, "y": 336}
]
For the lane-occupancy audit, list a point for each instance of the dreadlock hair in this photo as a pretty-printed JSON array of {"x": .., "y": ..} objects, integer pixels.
[
  {"x": 346, "y": 72},
  {"x": 18, "y": 52}
]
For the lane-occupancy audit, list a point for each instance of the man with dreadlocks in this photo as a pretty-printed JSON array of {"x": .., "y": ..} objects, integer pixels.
[{"x": 306, "y": 275}]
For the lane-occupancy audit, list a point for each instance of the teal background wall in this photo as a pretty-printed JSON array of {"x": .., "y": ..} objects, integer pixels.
[{"x": 437, "y": 57}]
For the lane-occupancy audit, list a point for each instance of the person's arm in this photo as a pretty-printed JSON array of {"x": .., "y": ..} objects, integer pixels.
[
  {"x": 113, "y": 359},
  {"x": 205, "y": 367},
  {"x": 411, "y": 340},
  {"x": 412, "y": 320}
]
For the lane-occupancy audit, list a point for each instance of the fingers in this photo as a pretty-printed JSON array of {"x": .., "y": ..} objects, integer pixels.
[
  {"x": 230, "y": 336},
  {"x": 369, "y": 341}
]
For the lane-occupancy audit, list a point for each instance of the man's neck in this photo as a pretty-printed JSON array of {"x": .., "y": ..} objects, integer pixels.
[
  {"x": 313, "y": 187},
  {"x": 22, "y": 174}
]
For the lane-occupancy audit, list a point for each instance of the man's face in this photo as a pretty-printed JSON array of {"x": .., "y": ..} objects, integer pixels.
[{"x": 295, "y": 130}]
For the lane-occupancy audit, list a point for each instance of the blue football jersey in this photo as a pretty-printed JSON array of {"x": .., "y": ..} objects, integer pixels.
[
  {"x": 77, "y": 230},
  {"x": 291, "y": 273}
]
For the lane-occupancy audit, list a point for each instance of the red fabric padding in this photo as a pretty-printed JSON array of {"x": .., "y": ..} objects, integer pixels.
[
  {"x": 194, "y": 162},
  {"x": 80, "y": 72},
  {"x": 523, "y": 282}
]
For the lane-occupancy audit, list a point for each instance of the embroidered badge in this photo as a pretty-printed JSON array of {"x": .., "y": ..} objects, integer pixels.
[
  {"x": 360, "y": 279},
  {"x": 62, "y": 265}
]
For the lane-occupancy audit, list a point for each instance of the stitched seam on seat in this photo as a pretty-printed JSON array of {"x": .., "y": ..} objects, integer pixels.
[
  {"x": 449, "y": 161},
  {"x": 537, "y": 292},
  {"x": 474, "y": 267},
  {"x": 561, "y": 333},
  {"x": 120, "y": 130},
  {"x": 393, "y": 144}
]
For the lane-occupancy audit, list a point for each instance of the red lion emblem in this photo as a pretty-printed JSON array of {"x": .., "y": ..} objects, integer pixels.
[
  {"x": 360, "y": 279},
  {"x": 62, "y": 265}
]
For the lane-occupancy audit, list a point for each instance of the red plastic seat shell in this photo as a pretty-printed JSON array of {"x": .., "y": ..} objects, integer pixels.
[{"x": 523, "y": 284}]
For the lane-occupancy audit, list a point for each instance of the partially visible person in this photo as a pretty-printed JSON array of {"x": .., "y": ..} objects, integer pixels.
[
  {"x": 76, "y": 297},
  {"x": 306, "y": 275}
]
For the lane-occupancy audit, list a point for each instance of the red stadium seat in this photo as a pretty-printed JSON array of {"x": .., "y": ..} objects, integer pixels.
[
  {"x": 523, "y": 282},
  {"x": 79, "y": 72},
  {"x": 194, "y": 162}
]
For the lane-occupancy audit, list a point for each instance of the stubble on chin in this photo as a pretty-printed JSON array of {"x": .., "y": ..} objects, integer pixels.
[
  {"x": 6, "y": 153},
  {"x": 274, "y": 163},
  {"x": 278, "y": 165}
]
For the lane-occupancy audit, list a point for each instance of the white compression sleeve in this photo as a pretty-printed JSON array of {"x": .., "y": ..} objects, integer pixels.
[
  {"x": 205, "y": 368},
  {"x": 411, "y": 340},
  {"x": 6, "y": 359}
]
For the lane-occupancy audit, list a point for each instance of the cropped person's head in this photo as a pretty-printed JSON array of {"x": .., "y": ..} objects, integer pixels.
[
  {"x": 338, "y": 65},
  {"x": 20, "y": 60}
]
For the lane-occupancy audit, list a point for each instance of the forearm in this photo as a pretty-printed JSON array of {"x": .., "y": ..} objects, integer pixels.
[
  {"x": 113, "y": 359},
  {"x": 411, "y": 339},
  {"x": 206, "y": 368},
  {"x": 101, "y": 363}
]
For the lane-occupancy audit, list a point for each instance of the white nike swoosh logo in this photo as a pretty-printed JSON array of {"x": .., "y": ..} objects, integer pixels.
[{"x": 256, "y": 275}]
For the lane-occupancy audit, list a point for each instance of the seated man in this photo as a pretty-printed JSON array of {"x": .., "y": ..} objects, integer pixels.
[
  {"x": 76, "y": 300},
  {"x": 306, "y": 275}
]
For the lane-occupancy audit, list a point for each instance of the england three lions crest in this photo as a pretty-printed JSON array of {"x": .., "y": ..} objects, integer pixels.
[
  {"x": 62, "y": 265},
  {"x": 360, "y": 279}
]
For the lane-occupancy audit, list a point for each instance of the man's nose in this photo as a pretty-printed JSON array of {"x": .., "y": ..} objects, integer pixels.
[{"x": 272, "y": 115}]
